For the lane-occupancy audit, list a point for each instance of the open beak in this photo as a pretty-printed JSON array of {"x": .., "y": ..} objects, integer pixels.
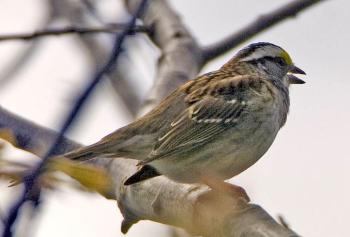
[{"x": 293, "y": 79}]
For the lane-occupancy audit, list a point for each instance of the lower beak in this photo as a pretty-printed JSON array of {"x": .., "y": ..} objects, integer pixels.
[{"x": 293, "y": 79}]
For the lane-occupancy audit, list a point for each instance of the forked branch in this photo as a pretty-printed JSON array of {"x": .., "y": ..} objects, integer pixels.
[
  {"x": 259, "y": 25},
  {"x": 111, "y": 28},
  {"x": 193, "y": 207}
]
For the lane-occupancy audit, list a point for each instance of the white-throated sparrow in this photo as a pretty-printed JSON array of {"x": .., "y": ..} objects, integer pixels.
[{"x": 216, "y": 125}]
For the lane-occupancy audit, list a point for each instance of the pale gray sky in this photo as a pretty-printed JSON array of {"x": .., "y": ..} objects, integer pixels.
[{"x": 304, "y": 176}]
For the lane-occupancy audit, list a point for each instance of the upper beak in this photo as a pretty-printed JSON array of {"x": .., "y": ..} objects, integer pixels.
[{"x": 293, "y": 79}]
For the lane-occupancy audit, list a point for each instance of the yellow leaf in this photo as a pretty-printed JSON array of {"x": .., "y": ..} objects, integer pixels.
[
  {"x": 91, "y": 177},
  {"x": 7, "y": 135}
]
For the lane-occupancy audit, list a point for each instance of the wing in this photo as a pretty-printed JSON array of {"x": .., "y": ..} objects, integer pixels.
[{"x": 207, "y": 116}]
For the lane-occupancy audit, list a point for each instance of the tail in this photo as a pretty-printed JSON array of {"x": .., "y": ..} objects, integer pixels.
[
  {"x": 121, "y": 143},
  {"x": 99, "y": 149}
]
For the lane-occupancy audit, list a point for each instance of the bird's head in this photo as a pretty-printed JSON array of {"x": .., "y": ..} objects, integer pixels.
[{"x": 271, "y": 59}]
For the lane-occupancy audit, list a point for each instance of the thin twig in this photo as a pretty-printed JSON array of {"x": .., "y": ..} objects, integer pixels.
[
  {"x": 97, "y": 51},
  {"x": 8, "y": 73},
  {"x": 30, "y": 181},
  {"x": 111, "y": 28},
  {"x": 260, "y": 24},
  {"x": 163, "y": 207}
]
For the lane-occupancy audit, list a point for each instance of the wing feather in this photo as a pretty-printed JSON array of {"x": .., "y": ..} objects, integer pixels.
[{"x": 207, "y": 115}]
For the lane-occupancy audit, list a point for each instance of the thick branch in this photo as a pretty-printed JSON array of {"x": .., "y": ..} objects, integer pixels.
[
  {"x": 30, "y": 181},
  {"x": 181, "y": 56},
  {"x": 195, "y": 208},
  {"x": 259, "y": 25},
  {"x": 31, "y": 137},
  {"x": 192, "y": 207},
  {"x": 111, "y": 28}
]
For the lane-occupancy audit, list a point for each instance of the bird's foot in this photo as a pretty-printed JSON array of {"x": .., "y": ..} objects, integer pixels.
[
  {"x": 226, "y": 188},
  {"x": 237, "y": 191}
]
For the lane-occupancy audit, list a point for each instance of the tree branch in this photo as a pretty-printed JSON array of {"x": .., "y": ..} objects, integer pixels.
[
  {"x": 261, "y": 24},
  {"x": 30, "y": 181},
  {"x": 181, "y": 55},
  {"x": 7, "y": 74},
  {"x": 31, "y": 137},
  {"x": 111, "y": 28},
  {"x": 97, "y": 51},
  {"x": 193, "y": 207}
]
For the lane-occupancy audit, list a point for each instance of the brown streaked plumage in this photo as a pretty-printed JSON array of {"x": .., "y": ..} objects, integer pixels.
[{"x": 216, "y": 125}]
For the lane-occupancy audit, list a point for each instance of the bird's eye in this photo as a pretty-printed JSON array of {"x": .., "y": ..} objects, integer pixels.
[{"x": 280, "y": 61}]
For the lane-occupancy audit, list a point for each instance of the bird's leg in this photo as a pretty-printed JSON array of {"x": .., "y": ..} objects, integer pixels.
[{"x": 223, "y": 187}]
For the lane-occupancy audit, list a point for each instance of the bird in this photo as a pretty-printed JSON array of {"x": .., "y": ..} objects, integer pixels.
[{"x": 212, "y": 127}]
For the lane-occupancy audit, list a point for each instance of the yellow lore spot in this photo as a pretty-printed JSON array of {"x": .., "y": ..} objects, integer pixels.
[{"x": 286, "y": 57}]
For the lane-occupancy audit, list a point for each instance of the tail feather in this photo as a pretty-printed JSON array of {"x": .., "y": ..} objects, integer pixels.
[
  {"x": 89, "y": 152},
  {"x": 121, "y": 143}
]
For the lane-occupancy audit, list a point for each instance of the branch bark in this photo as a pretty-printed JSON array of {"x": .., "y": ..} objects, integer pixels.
[
  {"x": 97, "y": 52},
  {"x": 8, "y": 73},
  {"x": 30, "y": 181},
  {"x": 193, "y": 207},
  {"x": 261, "y": 24},
  {"x": 181, "y": 56},
  {"x": 111, "y": 28},
  {"x": 31, "y": 137}
]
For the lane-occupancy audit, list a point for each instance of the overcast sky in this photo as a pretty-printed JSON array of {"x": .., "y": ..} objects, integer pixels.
[{"x": 305, "y": 174}]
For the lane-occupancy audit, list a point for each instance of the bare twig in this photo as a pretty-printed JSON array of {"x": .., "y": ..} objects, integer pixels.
[
  {"x": 9, "y": 71},
  {"x": 31, "y": 179},
  {"x": 97, "y": 51},
  {"x": 260, "y": 24},
  {"x": 111, "y": 28},
  {"x": 192, "y": 207}
]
